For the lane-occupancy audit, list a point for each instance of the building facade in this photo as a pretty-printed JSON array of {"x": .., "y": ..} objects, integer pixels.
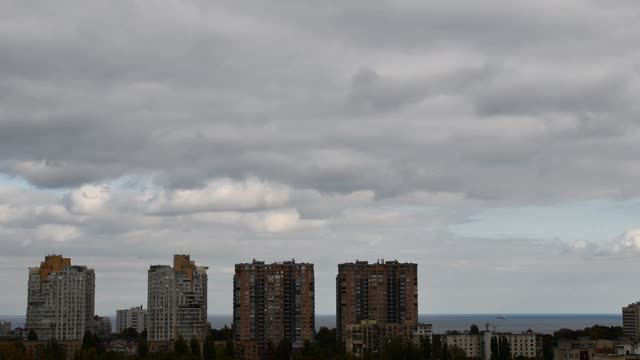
[
  {"x": 478, "y": 346},
  {"x": 368, "y": 337},
  {"x": 385, "y": 291},
  {"x": 271, "y": 303},
  {"x": 5, "y": 328},
  {"x": 102, "y": 327},
  {"x": 135, "y": 318},
  {"x": 631, "y": 320},
  {"x": 60, "y": 299},
  {"x": 177, "y": 301}
]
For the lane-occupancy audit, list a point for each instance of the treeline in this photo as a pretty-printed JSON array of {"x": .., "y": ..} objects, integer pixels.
[{"x": 595, "y": 332}]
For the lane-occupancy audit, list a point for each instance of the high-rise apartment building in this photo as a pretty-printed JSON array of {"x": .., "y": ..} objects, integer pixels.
[
  {"x": 61, "y": 299},
  {"x": 177, "y": 301},
  {"x": 135, "y": 318},
  {"x": 271, "y": 303},
  {"x": 631, "y": 320},
  {"x": 386, "y": 291}
]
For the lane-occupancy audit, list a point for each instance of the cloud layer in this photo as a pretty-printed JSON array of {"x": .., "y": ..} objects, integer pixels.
[{"x": 324, "y": 132}]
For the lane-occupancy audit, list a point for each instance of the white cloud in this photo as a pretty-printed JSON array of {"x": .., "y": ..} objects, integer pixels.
[
  {"x": 88, "y": 199},
  {"x": 56, "y": 233},
  {"x": 220, "y": 195}
]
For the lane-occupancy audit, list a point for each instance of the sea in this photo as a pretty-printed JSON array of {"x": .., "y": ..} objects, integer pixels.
[{"x": 539, "y": 323}]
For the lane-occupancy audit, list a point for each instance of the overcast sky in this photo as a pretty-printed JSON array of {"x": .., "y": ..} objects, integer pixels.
[{"x": 495, "y": 143}]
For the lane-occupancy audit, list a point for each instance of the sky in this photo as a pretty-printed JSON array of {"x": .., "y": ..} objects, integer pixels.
[{"x": 494, "y": 143}]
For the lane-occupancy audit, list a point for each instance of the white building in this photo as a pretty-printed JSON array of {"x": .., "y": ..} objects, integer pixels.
[
  {"x": 5, "y": 328},
  {"x": 177, "y": 301},
  {"x": 61, "y": 299},
  {"x": 102, "y": 327},
  {"x": 631, "y": 320},
  {"x": 135, "y": 318},
  {"x": 478, "y": 346}
]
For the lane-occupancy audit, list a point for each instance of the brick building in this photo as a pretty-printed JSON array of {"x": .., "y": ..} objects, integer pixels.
[
  {"x": 271, "y": 303},
  {"x": 385, "y": 291}
]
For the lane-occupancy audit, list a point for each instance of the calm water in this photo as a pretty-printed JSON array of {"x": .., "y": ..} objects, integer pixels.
[{"x": 539, "y": 323}]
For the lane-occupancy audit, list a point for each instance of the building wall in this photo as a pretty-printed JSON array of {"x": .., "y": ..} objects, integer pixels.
[
  {"x": 177, "y": 301},
  {"x": 61, "y": 299},
  {"x": 478, "y": 346},
  {"x": 274, "y": 302},
  {"x": 5, "y": 328},
  {"x": 135, "y": 318},
  {"x": 385, "y": 291},
  {"x": 370, "y": 337},
  {"x": 631, "y": 320}
]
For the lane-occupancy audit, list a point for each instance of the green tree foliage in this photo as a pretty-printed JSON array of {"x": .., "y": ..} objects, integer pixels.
[
  {"x": 495, "y": 349},
  {"x": 180, "y": 347},
  {"x": 445, "y": 352},
  {"x": 595, "y": 332},
  {"x": 15, "y": 351},
  {"x": 33, "y": 336},
  {"x": 53, "y": 351},
  {"x": 130, "y": 333},
  {"x": 547, "y": 347},
  {"x": 425, "y": 348},
  {"x": 194, "y": 344},
  {"x": 209, "y": 348},
  {"x": 229, "y": 350},
  {"x": 436, "y": 352},
  {"x": 474, "y": 329},
  {"x": 457, "y": 353}
]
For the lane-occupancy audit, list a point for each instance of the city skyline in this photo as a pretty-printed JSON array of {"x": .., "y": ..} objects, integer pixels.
[
  {"x": 356, "y": 263},
  {"x": 493, "y": 143}
]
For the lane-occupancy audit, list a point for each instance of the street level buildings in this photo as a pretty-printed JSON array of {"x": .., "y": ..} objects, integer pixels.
[
  {"x": 272, "y": 303},
  {"x": 478, "y": 346},
  {"x": 177, "y": 301},
  {"x": 631, "y": 320},
  {"x": 385, "y": 291},
  {"x": 368, "y": 337},
  {"x": 135, "y": 318},
  {"x": 60, "y": 299}
]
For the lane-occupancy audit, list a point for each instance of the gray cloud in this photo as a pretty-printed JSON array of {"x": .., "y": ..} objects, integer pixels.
[{"x": 341, "y": 131}]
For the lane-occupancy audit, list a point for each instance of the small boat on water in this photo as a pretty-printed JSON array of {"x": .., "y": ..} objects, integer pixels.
[{"x": 501, "y": 317}]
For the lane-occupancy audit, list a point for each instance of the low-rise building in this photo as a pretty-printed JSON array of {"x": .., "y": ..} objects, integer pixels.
[
  {"x": 102, "y": 327},
  {"x": 122, "y": 346},
  {"x": 369, "y": 337},
  {"x": 584, "y": 348},
  {"x": 478, "y": 346},
  {"x": 135, "y": 318}
]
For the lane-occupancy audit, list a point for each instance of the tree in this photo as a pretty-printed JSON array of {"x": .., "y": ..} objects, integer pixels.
[
  {"x": 425, "y": 348},
  {"x": 445, "y": 351},
  {"x": 130, "y": 333},
  {"x": 504, "y": 348},
  {"x": 457, "y": 353},
  {"x": 229, "y": 350},
  {"x": 209, "y": 348},
  {"x": 283, "y": 351},
  {"x": 474, "y": 329},
  {"x": 495, "y": 349},
  {"x": 180, "y": 347},
  {"x": 436, "y": 347},
  {"x": 143, "y": 347},
  {"x": 195, "y": 347},
  {"x": 53, "y": 351},
  {"x": 33, "y": 336},
  {"x": 547, "y": 347},
  {"x": 393, "y": 349},
  {"x": 88, "y": 340}
]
